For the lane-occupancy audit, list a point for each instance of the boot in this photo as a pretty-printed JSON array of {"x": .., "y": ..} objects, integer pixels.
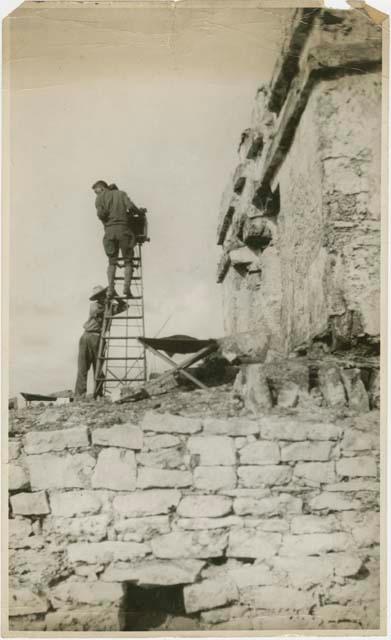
[
  {"x": 110, "y": 278},
  {"x": 127, "y": 280}
]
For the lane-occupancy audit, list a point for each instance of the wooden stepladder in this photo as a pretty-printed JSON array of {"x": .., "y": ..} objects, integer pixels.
[{"x": 121, "y": 357}]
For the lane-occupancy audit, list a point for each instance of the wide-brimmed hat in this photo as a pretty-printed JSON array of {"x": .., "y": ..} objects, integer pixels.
[{"x": 98, "y": 292}]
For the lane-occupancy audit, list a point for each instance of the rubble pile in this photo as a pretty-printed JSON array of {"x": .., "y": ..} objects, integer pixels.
[{"x": 254, "y": 523}]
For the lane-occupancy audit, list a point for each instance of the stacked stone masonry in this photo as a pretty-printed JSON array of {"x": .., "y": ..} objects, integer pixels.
[
  {"x": 261, "y": 523},
  {"x": 299, "y": 222}
]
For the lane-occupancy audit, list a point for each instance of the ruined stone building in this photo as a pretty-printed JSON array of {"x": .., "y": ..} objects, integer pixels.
[{"x": 207, "y": 512}]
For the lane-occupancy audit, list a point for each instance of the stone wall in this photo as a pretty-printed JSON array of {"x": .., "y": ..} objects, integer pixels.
[
  {"x": 299, "y": 223},
  {"x": 267, "y": 523}
]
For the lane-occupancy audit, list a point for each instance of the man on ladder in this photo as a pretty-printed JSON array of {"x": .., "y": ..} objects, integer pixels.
[{"x": 115, "y": 210}]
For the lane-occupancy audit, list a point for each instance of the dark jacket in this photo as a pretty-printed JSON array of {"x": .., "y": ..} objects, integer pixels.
[{"x": 112, "y": 207}]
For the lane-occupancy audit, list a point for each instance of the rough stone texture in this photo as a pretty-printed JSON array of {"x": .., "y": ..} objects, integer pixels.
[
  {"x": 163, "y": 441},
  {"x": 331, "y": 386},
  {"x": 14, "y": 448},
  {"x": 115, "y": 469},
  {"x": 91, "y": 528},
  {"x": 214, "y": 478},
  {"x": 209, "y": 523},
  {"x": 264, "y": 476},
  {"x": 313, "y": 544},
  {"x": 204, "y": 506},
  {"x": 43, "y": 441},
  {"x": 155, "y": 572},
  {"x": 333, "y": 502},
  {"x": 148, "y": 478},
  {"x": 140, "y": 529},
  {"x": 106, "y": 551},
  {"x": 315, "y": 524},
  {"x": 28, "y": 504},
  {"x": 17, "y": 477},
  {"x": 25, "y": 602},
  {"x": 127, "y": 436},
  {"x": 213, "y": 450},
  {"x": 247, "y": 543},
  {"x": 18, "y": 530},
  {"x": 187, "y": 544},
  {"x": 274, "y": 427},
  {"x": 275, "y": 505},
  {"x": 209, "y": 594},
  {"x": 97, "y": 593},
  {"x": 49, "y": 471},
  {"x": 84, "y": 619},
  {"x": 145, "y": 503},
  {"x": 260, "y": 453},
  {"x": 315, "y": 472},
  {"x": 74, "y": 503},
  {"x": 306, "y": 451},
  {"x": 278, "y": 598},
  {"x": 230, "y": 426},
  {"x": 362, "y": 466},
  {"x": 355, "y": 389},
  {"x": 167, "y": 423},
  {"x": 169, "y": 458}
]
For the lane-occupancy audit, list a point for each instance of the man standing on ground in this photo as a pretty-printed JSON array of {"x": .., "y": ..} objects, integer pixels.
[
  {"x": 89, "y": 341},
  {"x": 114, "y": 209}
]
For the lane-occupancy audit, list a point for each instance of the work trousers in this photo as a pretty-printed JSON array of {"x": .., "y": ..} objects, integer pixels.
[{"x": 88, "y": 355}]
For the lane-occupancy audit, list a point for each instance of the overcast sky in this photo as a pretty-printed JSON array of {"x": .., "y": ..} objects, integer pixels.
[{"x": 153, "y": 100}]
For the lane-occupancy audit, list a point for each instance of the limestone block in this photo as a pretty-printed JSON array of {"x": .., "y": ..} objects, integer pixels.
[
  {"x": 230, "y": 426},
  {"x": 49, "y": 471},
  {"x": 355, "y": 440},
  {"x": 257, "y": 397},
  {"x": 164, "y": 459},
  {"x": 44, "y": 441},
  {"x": 272, "y": 506},
  {"x": 281, "y": 428},
  {"x": 304, "y": 574},
  {"x": 126, "y": 436},
  {"x": 251, "y": 543},
  {"x": 357, "y": 484},
  {"x": 306, "y": 451},
  {"x": 360, "y": 466},
  {"x": 208, "y": 506},
  {"x": 190, "y": 544},
  {"x": 331, "y": 386},
  {"x": 168, "y": 423},
  {"x": 260, "y": 452},
  {"x": 367, "y": 422},
  {"x": 164, "y": 441},
  {"x": 74, "y": 503},
  {"x": 265, "y": 476},
  {"x": 315, "y": 524},
  {"x": 315, "y": 543},
  {"x": 18, "y": 530},
  {"x": 155, "y": 572},
  {"x": 87, "y": 618},
  {"x": 355, "y": 390},
  {"x": 315, "y": 472},
  {"x": 14, "y": 447},
  {"x": 246, "y": 493},
  {"x": 146, "y": 503},
  {"x": 139, "y": 529},
  {"x": 247, "y": 346},
  {"x": 209, "y": 523},
  {"x": 115, "y": 469},
  {"x": 24, "y": 602},
  {"x": 91, "y": 528},
  {"x": 209, "y": 594},
  {"x": 106, "y": 551},
  {"x": 50, "y": 416},
  {"x": 333, "y": 502},
  {"x": 223, "y": 614},
  {"x": 273, "y": 597},
  {"x": 95, "y": 593},
  {"x": 150, "y": 478},
  {"x": 240, "y": 442},
  {"x": 278, "y": 525},
  {"x": 17, "y": 477},
  {"x": 252, "y": 576},
  {"x": 364, "y": 527},
  {"x": 213, "y": 450},
  {"x": 374, "y": 390},
  {"x": 30, "y": 504},
  {"x": 214, "y": 478}
]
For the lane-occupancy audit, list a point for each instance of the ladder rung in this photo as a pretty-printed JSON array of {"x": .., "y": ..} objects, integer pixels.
[
  {"x": 121, "y": 337},
  {"x": 123, "y": 380},
  {"x": 124, "y": 358}
]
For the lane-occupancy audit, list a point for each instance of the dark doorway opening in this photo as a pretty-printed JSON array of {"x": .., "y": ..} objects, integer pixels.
[{"x": 147, "y": 608}]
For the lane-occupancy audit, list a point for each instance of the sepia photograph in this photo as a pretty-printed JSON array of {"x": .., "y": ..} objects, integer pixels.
[{"x": 193, "y": 258}]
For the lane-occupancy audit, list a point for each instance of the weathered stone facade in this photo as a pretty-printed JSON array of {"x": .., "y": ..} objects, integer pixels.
[
  {"x": 256, "y": 523},
  {"x": 300, "y": 219}
]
